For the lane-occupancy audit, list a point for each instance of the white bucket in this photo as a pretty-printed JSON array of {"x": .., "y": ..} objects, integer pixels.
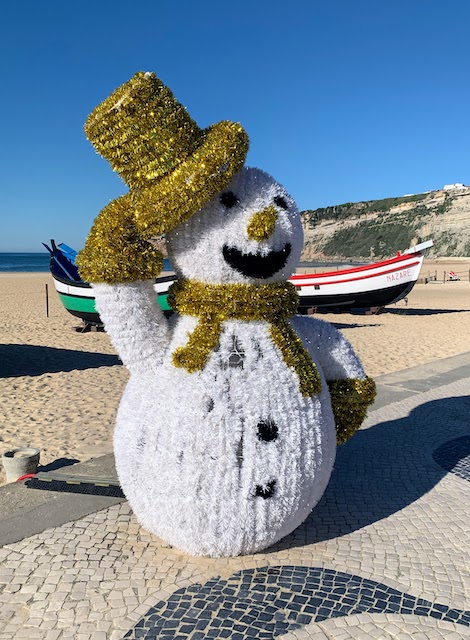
[{"x": 19, "y": 462}]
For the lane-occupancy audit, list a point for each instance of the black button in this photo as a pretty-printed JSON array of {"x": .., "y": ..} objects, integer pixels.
[
  {"x": 267, "y": 491},
  {"x": 267, "y": 430}
]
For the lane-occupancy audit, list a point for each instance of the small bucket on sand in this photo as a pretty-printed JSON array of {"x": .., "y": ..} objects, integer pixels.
[{"x": 19, "y": 462}]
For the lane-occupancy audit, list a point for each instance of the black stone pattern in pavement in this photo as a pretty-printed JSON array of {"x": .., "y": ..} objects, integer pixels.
[
  {"x": 454, "y": 456},
  {"x": 270, "y": 601}
]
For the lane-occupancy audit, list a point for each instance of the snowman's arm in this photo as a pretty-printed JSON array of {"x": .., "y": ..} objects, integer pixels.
[
  {"x": 329, "y": 347},
  {"x": 135, "y": 323},
  {"x": 121, "y": 265},
  {"x": 351, "y": 391}
]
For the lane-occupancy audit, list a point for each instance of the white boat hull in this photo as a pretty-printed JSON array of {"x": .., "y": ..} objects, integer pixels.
[{"x": 373, "y": 285}]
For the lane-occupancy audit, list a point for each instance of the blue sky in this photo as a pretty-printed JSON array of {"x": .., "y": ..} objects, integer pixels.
[{"x": 343, "y": 100}]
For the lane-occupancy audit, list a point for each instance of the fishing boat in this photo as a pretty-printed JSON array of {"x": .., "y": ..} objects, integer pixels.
[
  {"x": 77, "y": 296},
  {"x": 370, "y": 286}
]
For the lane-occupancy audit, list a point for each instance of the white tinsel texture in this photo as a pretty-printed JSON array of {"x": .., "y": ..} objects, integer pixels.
[{"x": 230, "y": 458}]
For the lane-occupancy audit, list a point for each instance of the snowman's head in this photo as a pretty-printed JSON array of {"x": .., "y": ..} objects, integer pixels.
[{"x": 249, "y": 233}]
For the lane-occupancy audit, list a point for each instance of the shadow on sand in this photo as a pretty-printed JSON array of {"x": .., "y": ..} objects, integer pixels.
[
  {"x": 383, "y": 469},
  {"x": 344, "y": 325},
  {"x": 59, "y": 463},
  {"x": 32, "y": 360},
  {"x": 423, "y": 312}
]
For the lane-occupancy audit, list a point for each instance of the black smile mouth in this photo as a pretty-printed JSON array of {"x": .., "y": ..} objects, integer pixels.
[{"x": 254, "y": 265}]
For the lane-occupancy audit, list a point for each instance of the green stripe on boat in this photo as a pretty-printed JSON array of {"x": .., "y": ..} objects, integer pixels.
[
  {"x": 74, "y": 303},
  {"x": 163, "y": 302}
]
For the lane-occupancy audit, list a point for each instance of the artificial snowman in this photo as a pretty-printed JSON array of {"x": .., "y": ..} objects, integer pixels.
[{"x": 226, "y": 433}]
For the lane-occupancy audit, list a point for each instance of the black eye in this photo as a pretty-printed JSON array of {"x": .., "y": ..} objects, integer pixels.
[
  {"x": 281, "y": 202},
  {"x": 229, "y": 199}
]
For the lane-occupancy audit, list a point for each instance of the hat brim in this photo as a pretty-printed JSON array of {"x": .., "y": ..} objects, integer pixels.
[{"x": 176, "y": 197}]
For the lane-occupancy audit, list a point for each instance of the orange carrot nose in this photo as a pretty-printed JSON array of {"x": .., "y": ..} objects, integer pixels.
[{"x": 262, "y": 224}]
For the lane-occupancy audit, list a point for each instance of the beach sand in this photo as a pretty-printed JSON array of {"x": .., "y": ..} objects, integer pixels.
[{"x": 59, "y": 389}]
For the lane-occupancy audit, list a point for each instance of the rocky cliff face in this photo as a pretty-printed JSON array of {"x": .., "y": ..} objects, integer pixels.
[{"x": 380, "y": 228}]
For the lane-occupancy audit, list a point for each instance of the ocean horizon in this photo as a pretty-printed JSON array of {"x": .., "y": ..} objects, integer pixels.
[{"x": 26, "y": 262}]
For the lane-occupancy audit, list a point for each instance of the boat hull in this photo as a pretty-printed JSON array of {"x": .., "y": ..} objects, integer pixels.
[
  {"x": 364, "y": 300},
  {"x": 368, "y": 286},
  {"x": 373, "y": 285}
]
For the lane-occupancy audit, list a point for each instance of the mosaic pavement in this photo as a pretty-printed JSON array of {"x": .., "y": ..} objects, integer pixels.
[
  {"x": 384, "y": 555},
  {"x": 266, "y": 602}
]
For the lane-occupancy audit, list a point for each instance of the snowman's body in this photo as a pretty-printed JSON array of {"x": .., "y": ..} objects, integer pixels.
[{"x": 230, "y": 458}]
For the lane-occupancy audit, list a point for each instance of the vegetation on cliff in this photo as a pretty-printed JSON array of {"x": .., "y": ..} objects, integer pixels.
[{"x": 380, "y": 228}]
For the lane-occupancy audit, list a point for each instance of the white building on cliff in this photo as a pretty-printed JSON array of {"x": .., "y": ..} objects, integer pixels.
[{"x": 457, "y": 185}]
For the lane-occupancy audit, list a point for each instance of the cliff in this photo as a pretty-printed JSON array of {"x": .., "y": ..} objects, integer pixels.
[{"x": 380, "y": 228}]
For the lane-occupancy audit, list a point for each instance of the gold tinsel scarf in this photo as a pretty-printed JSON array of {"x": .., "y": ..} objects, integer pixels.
[{"x": 215, "y": 303}]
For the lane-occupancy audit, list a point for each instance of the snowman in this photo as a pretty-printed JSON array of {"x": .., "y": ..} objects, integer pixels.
[{"x": 227, "y": 430}]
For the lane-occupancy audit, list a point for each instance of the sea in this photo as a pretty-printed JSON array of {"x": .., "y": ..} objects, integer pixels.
[{"x": 35, "y": 262}]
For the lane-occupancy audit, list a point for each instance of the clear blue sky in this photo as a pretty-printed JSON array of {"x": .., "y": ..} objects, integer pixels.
[{"x": 343, "y": 100}]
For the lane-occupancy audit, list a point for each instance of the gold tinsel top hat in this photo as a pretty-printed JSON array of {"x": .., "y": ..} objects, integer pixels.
[{"x": 171, "y": 165}]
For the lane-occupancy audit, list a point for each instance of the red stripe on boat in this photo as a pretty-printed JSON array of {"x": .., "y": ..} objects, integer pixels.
[
  {"x": 365, "y": 277},
  {"x": 364, "y": 267}
]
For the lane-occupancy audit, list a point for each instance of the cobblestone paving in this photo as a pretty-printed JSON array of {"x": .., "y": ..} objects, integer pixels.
[
  {"x": 392, "y": 531},
  {"x": 266, "y": 602},
  {"x": 454, "y": 456}
]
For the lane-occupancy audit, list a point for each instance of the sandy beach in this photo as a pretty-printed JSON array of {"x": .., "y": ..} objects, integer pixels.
[{"x": 59, "y": 389}]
